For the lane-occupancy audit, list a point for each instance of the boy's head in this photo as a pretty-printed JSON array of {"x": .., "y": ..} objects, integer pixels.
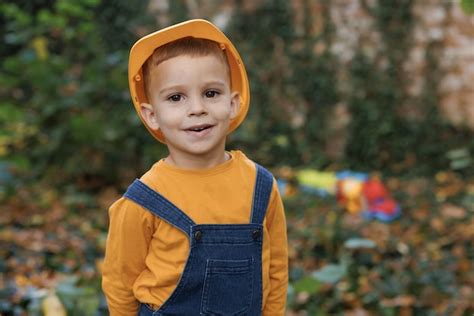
[
  {"x": 194, "y": 39},
  {"x": 188, "y": 46}
]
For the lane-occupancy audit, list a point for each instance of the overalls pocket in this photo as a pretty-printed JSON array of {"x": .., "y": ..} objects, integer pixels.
[{"x": 228, "y": 287}]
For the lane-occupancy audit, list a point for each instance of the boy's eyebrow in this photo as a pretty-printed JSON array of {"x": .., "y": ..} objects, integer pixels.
[
  {"x": 179, "y": 87},
  {"x": 169, "y": 89},
  {"x": 215, "y": 82}
]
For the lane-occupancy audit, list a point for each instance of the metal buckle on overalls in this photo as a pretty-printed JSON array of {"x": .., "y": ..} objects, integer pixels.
[{"x": 256, "y": 234}]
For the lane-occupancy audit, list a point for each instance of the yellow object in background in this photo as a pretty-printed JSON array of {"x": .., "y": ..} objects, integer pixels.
[
  {"x": 351, "y": 190},
  {"x": 318, "y": 180}
]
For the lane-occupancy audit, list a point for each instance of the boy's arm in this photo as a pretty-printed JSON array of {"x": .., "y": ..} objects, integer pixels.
[
  {"x": 276, "y": 222},
  {"x": 130, "y": 232}
]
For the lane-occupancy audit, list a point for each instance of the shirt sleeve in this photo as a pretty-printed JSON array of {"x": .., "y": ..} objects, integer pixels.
[
  {"x": 130, "y": 232},
  {"x": 276, "y": 222}
]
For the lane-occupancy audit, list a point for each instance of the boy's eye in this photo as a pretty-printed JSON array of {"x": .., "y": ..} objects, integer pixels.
[
  {"x": 175, "y": 98},
  {"x": 211, "y": 94}
]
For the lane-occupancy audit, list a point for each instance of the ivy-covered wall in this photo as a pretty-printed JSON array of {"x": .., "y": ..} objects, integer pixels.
[{"x": 367, "y": 85}]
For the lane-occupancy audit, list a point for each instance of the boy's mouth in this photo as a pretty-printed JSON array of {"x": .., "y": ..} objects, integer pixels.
[{"x": 199, "y": 128}]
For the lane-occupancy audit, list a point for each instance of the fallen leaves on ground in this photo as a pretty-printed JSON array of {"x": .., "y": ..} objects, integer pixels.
[{"x": 52, "y": 242}]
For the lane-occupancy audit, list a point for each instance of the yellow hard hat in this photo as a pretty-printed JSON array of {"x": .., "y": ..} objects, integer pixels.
[{"x": 197, "y": 28}]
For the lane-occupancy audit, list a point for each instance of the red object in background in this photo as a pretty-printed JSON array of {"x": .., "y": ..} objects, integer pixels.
[
  {"x": 378, "y": 198},
  {"x": 387, "y": 206},
  {"x": 374, "y": 190}
]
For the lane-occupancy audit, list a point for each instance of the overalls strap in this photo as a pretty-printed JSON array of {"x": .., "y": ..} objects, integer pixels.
[
  {"x": 261, "y": 195},
  {"x": 148, "y": 198}
]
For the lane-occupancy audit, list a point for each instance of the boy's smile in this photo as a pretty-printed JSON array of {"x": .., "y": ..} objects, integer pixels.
[{"x": 192, "y": 105}]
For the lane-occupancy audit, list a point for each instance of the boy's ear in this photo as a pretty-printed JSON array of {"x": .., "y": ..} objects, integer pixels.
[
  {"x": 149, "y": 115},
  {"x": 234, "y": 104}
]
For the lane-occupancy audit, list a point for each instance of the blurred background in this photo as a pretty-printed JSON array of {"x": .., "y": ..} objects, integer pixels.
[{"x": 363, "y": 110}]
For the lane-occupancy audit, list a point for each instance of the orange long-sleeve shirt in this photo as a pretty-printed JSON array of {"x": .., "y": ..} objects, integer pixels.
[{"x": 145, "y": 256}]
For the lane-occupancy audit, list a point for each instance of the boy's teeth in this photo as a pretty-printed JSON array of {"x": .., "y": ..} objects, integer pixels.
[{"x": 198, "y": 129}]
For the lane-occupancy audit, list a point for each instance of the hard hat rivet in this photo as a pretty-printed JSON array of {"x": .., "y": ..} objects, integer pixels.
[
  {"x": 222, "y": 45},
  {"x": 138, "y": 78}
]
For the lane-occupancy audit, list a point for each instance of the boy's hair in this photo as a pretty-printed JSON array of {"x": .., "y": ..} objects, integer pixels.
[{"x": 189, "y": 46}]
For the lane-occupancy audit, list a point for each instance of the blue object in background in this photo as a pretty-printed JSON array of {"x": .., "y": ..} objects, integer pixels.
[
  {"x": 361, "y": 176},
  {"x": 382, "y": 216}
]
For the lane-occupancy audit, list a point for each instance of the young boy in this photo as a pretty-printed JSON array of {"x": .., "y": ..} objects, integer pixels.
[{"x": 203, "y": 232}]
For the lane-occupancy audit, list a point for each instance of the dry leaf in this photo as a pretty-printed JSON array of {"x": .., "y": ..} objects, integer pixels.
[
  {"x": 52, "y": 306},
  {"x": 453, "y": 211}
]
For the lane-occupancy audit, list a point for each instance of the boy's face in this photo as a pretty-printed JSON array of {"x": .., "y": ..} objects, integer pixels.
[{"x": 192, "y": 105}]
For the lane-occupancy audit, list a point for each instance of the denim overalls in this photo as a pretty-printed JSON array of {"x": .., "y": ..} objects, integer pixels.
[{"x": 223, "y": 273}]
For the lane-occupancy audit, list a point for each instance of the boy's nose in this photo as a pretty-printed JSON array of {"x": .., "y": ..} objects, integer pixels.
[{"x": 197, "y": 107}]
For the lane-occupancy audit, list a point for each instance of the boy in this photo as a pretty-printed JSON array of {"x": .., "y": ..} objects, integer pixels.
[{"x": 203, "y": 231}]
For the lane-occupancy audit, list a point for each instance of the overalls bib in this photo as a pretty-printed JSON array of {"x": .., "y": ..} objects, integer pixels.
[{"x": 223, "y": 273}]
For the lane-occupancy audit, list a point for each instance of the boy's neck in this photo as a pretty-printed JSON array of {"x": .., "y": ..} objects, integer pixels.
[{"x": 197, "y": 162}]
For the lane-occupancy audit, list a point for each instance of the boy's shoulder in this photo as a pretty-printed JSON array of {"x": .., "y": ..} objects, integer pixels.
[
  {"x": 247, "y": 161},
  {"x": 237, "y": 174},
  {"x": 240, "y": 164},
  {"x": 242, "y": 159}
]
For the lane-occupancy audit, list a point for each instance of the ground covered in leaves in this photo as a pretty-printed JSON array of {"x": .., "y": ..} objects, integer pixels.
[{"x": 52, "y": 242}]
